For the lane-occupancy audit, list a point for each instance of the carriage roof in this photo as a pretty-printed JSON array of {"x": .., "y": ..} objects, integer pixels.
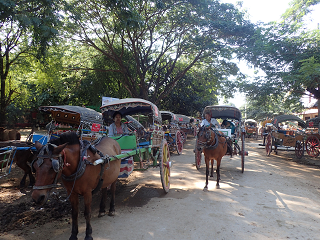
[
  {"x": 73, "y": 114},
  {"x": 183, "y": 118},
  {"x": 171, "y": 117},
  {"x": 283, "y": 118},
  {"x": 223, "y": 112},
  {"x": 131, "y": 106},
  {"x": 313, "y": 122}
]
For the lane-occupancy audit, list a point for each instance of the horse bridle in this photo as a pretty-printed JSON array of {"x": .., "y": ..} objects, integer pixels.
[
  {"x": 57, "y": 164},
  {"x": 207, "y": 136}
]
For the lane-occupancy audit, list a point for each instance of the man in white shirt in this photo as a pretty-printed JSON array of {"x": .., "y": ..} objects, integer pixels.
[{"x": 208, "y": 121}]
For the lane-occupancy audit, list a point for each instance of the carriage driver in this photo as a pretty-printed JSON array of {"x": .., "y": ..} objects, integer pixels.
[
  {"x": 117, "y": 128},
  {"x": 208, "y": 121}
]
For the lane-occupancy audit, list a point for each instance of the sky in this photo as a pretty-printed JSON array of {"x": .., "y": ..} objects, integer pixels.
[{"x": 267, "y": 11}]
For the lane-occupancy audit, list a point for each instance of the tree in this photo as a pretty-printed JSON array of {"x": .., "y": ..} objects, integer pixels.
[
  {"x": 165, "y": 39},
  {"x": 290, "y": 56},
  {"x": 27, "y": 27}
]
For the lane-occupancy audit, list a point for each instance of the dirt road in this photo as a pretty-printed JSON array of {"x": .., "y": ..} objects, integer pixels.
[{"x": 275, "y": 198}]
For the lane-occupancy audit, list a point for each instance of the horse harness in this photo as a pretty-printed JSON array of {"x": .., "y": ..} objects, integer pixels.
[
  {"x": 214, "y": 144},
  {"x": 60, "y": 163}
]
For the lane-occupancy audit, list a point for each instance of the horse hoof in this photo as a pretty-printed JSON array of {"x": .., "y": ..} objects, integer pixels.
[
  {"x": 88, "y": 238},
  {"x": 112, "y": 213},
  {"x": 205, "y": 189},
  {"x": 101, "y": 214}
]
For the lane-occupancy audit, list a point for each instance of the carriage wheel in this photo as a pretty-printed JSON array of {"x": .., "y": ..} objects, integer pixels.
[
  {"x": 242, "y": 151},
  {"x": 165, "y": 165},
  {"x": 184, "y": 137},
  {"x": 194, "y": 132},
  {"x": 198, "y": 156},
  {"x": 312, "y": 146},
  {"x": 299, "y": 149},
  {"x": 268, "y": 144},
  {"x": 179, "y": 142}
]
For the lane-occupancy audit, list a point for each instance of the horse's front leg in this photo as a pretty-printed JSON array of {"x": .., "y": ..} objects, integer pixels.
[
  {"x": 74, "y": 200},
  {"x": 112, "y": 201},
  {"x": 218, "y": 172},
  {"x": 212, "y": 161},
  {"x": 87, "y": 214},
  {"x": 207, "y": 173}
]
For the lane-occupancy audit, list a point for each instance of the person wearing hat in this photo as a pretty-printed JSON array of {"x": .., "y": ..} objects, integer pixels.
[{"x": 117, "y": 127}]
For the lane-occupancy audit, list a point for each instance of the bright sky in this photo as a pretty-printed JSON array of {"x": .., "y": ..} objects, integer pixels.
[{"x": 267, "y": 11}]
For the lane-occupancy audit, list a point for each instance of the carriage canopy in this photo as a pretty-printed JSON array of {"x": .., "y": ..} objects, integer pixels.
[
  {"x": 171, "y": 117},
  {"x": 223, "y": 112},
  {"x": 73, "y": 114},
  {"x": 285, "y": 118},
  {"x": 313, "y": 122},
  {"x": 184, "y": 119},
  {"x": 130, "y": 106}
]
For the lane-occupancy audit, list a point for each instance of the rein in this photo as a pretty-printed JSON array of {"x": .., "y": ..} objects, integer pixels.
[
  {"x": 59, "y": 164},
  {"x": 213, "y": 144}
]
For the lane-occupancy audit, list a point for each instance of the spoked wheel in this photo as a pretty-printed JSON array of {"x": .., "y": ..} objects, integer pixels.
[
  {"x": 299, "y": 149},
  {"x": 242, "y": 151},
  {"x": 268, "y": 144},
  {"x": 165, "y": 165},
  {"x": 194, "y": 132},
  {"x": 312, "y": 146},
  {"x": 179, "y": 142},
  {"x": 184, "y": 137},
  {"x": 198, "y": 156}
]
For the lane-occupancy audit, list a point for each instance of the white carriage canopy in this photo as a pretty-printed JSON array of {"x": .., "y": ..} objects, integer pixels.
[
  {"x": 184, "y": 119},
  {"x": 171, "y": 117},
  {"x": 130, "y": 106}
]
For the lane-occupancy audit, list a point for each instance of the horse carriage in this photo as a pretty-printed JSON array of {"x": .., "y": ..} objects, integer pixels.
[
  {"x": 312, "y": 136},
  {"x": 172, "y": 131},
  {"x": 95, "y": 163},
  {"x": 208, "y": 139},
  {"x": 289, "y": 137},
  {"x": 251, "y": 127},
  {"x": 187, "y": 125}
]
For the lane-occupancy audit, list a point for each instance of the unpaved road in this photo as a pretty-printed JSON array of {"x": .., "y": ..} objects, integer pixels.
[{"x": 275, "y": 198}]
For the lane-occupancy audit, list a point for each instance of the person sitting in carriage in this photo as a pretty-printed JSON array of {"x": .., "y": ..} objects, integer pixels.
[
  {"x": 228, "y": 125},
  {"x": 117, "y": 127},
  {"x": 209, "y": 121}
]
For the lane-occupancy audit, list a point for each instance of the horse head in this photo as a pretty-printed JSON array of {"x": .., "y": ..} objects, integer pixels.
[
  {"x": 48, "y": 168},
  {"x": 204, "y": 137}
]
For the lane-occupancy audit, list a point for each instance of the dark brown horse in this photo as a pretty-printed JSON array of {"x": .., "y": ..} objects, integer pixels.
[
  {"x": 214, "y": 147},
  {"x": 72, "y": 159},
  {"x": 22, "y": 156}
]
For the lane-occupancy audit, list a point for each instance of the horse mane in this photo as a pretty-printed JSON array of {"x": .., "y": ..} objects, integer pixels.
[{"x": 70, "y": 137}]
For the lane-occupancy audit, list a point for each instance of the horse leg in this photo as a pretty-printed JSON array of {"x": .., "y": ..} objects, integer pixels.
[
  {"x": 75, "y": 209},
  {"x": 207, "y": 173},
  {"x": 102, "y": 210},
  {"x": 87, "y": 214},
  {"x": 212, "y": 161},
  {"x": 112, "y": 201},
  {"x": 218, "y": 171}
]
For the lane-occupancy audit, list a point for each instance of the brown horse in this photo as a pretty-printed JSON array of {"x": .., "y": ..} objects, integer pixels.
[
  {"x": 21, "y": 156},
  {"x": 214, "y": 147},
  {"x": 73, "y": 159}
]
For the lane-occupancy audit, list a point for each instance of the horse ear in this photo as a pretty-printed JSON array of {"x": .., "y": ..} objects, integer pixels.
[
  {"x": 58, "y": 149},
  {"x": 38, "y": 145}
]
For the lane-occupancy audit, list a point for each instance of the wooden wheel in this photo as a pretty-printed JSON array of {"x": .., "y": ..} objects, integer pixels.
[
  {"x": 179, "y": 142},
  {"x": 184, "y": 136},
  {"x": 194, "y": 132},
  {"x": 165, "y": 165},
  {"x": 268, "y": 144},
  {"x": 299, "y": 149},
  {"x": 312, "y": 146}
]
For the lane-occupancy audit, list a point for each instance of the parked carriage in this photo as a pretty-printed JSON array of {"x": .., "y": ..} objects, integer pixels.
[
  {"x": 312, "y": 137},
  {"x": 187, "y": 125},
  {"x": 172, "y": 131},
  {"x": 251, "y": 127},
  {"x": 149, "y": 146},
  {"x": 229, "y": 113},
  {"x": 286, "y": 137}
]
